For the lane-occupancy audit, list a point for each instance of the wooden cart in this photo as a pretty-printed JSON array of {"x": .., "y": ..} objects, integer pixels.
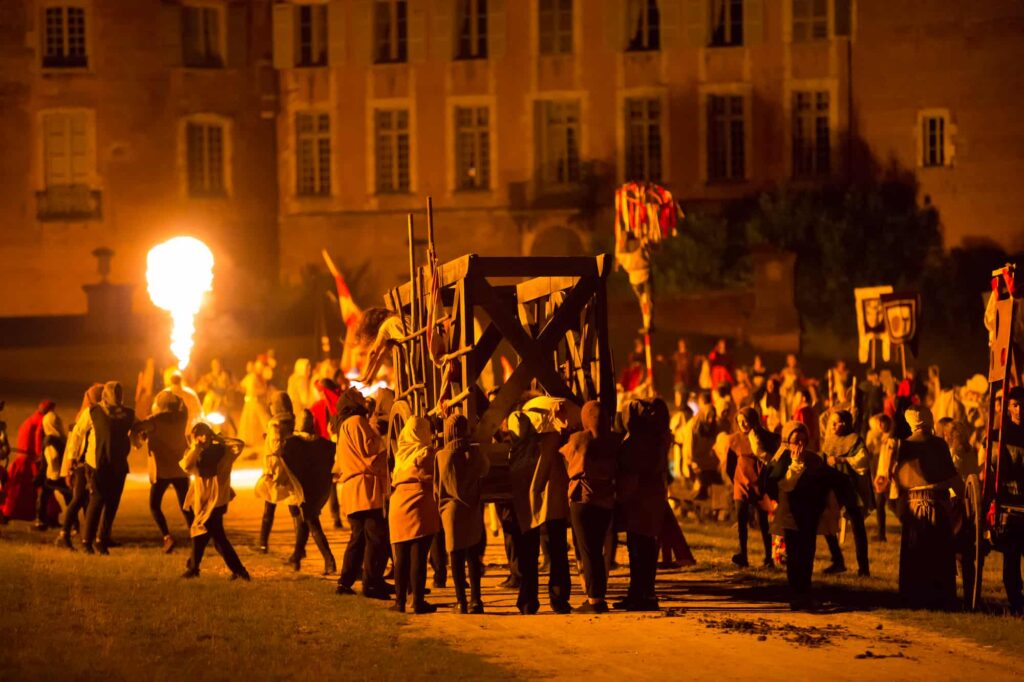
[
  {"x": 989, "y": 509},
  {"x": 549, "y": 314}
]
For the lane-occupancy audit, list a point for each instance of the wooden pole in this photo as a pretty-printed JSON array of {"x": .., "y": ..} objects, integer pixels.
[
  {"x": 430, "y": 228},
  {"x": 413, "y": 305},
  {"x": 903, "y": 359},
  {"x": 873, "y": 343}
]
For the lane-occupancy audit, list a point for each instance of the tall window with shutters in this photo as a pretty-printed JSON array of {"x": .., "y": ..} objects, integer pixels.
[
  {"x": 391, "y": 137},
  {"x": 64, "y": 37},
  {"x": 555, "y": 26},
  {"x": 812, "y": 147},
  {"x": 726, "y": 23},
  {"x": 726, "y": 143},
  {"x": 472, "y": 148},
  {"x": 934, "y": 140},
  {"x": 66, "y": 156},
  {"x": 204, "y": 156},
  {"x": 644, "y": 21},
  {"x": 311, "y": 35},
  {"x": 643, "y": 118},
  {"x": 472, "y": 27},
  {"x": 312, "y": 154},
  {"x": 558, "y": 144},
  {"x": 821, "y": 19},
  {"x": 390, "y": 32},
  {"x": 201, "y": 38}
]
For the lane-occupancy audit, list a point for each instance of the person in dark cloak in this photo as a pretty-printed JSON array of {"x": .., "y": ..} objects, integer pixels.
[
  {"x": 111, "y": 425},
  {"x": 748, "y": 496},
  {"x": 1011, "y": 474},
  {"x": 164, "y": 435},
  {"x": 310, "y": 459},
  {"x": 323, "y": 411},
  {"x": 845, "y": 451}
]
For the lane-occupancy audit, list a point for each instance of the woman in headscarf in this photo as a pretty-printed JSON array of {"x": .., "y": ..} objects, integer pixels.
[
  {"x": 164, "y": 436},
  {"x": 252, "y": 424},
  {"x": 641, "y": 494},
  {"x": 879, "y": 433},
  {"x": 50, "y": 481},
  {"x": 361, "y": 466},
  {"x": 144, "y": 389},
  {"x": 21, "y": 482},
  {"x": 73, "y": 467},
  {"x": 845, "y": 451},
  {"x": 208, "y": 461},
  {"x": 746, "y": 489},
  {"x": 299, "y": 384},
  {"x": 412, "y": 513},
  {"x": 458, "y": 470},
  {"x": 277, "y": 485},
  {"x": 310, "y": 460},
  {"x": 590, "y": 459},
  {"x": 111, "y": 425}
]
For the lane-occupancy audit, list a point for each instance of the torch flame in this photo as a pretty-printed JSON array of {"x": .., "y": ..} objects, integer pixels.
[{"x": 179, "y": 272}]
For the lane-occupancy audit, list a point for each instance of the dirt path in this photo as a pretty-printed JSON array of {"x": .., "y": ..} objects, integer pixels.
[{"x": 698, "y": 636}]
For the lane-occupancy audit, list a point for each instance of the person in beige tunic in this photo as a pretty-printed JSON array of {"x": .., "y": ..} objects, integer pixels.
[
  {"x": 277, "y": 485},
  {"x": 413, "y": 517}
]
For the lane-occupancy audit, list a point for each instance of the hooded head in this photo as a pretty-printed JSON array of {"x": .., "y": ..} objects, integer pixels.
[
  {"x": 456, "y": 427},
  {"x": 46, "y": 406},
  {"x": 302, "y": 367},
  {"x": 749, "y": 416},
  {"x": 168, "y": 402},
  {"x": 842, "y": 422},
  {"x": 113, "y": 394},
  {"x": 633, "y": 415},
  {"x": 350, "y": 404},
  {"x": 92, "y": 396},
  {"x": 594, "y": 418},
  {"x": 919, "y": 418},
  {"x": 793, "y": 428},
  {"x": 52, "y": 425},
  {"x": 304, "y": 423},
  {"x": 417, "y": 430},
  {"x": 281, "y": 406}
]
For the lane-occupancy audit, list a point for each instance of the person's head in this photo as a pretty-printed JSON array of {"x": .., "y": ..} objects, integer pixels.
[
  {"x": 202, "y": 434},
  {"x": 216, "y": 366},
  {"x": 168, "y": 402},
  {"x": 1014, "y": 402},
  {"x": 772, "y": 385},
  {"x": 840, "y": 423},
  {"x": 46, "y": 406},
  {"x": 919, "y": 418},
  {"x": 933, "y": 372},
  {"x": 841, "y": 366},
  {"x": 791, "y": 361},
  {"x": 304, "y": 422},
  {"x": 638, "y": 346},
  {"x": 803, "y": 397},
  {"x": 881, "y": 422},
  {"x": 637, "y": 359},
  {"x": 758, "y": 363},
  {"x": 281, "y": 406},
  {"x": 721, "y": 346},
  {"x": 456, "y": 427},
  {"x": 795, "y": 438},
  {"x": 942, "y": 426},
  {"x": 113, "y": 394},
  {"x": 681, "y": 345},
  {"x": 747, "y": 419},
  {"x": 873, "y": 376},
  {"x": 595, "y": 418},
  {"x": 176, "y": 380}
]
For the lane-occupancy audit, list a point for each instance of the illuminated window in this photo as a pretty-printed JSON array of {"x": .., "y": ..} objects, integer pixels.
[
  {"x": 558, "y": 142},
  {"x": 64, "y": 37},
  {"x": 726, "y": 23},
  {"x": 643, "y": 139},
  {"x": 811, "y": 140},
  {"x": 311, "y": 35},
  {"x": 312, "y": 154},
  {"x": 810, "y": 20},
  {"x": 390, "y": 35},
  {"x": 205, "y": 158},
  {"x": 644, "y": 18},
  {"x": 555, "y": 19},
  {"x": 726, "y": 138},
  {"x": 201, "y": 36},
  {"x": 472, "y": 148},
  {"x": 392, "y": 150},
  {"x": 472, "y": 30},
  {"x": 934, "y": 140}
]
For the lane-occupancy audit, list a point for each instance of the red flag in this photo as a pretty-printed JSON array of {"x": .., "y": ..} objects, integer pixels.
[{"x": 350, "y": 311}]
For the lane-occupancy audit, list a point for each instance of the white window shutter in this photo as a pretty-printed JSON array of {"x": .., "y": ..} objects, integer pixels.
[
  {"x": 336, "y": 37},
  {"x": 442, "y": 30},
  {"x": 417, "y": 34},
  {"x": 753, "y": 22},
  {"x": 697, "y": 26},
  {"x": 669, "y": 23},
  {"x": 496, "y": 29},
  {"x": 79, "y": 148},
  {"x": 284, "y": 36},
  {"x": 56, "y": 150}
]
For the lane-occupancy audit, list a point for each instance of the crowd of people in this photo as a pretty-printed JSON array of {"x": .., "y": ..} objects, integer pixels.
[{"x": 788, "y": 455}]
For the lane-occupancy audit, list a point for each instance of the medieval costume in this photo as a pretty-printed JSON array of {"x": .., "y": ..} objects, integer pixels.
[
  {"x": 1011, "y": 473},
  {"x": 310, "y": 460},
  {"x": 216, "y": 387},
  {"x": 81, "y": 444},
  {"x": 361, "y": 466},
  {"x": 747, "y": 495},
  {"x": 323, "y": 411},
  {"x": 21, "y": 474},
  {"x": 699, "y": 458},
  {"x": 165, "y": 439},
  {"x": 252, "y": 424},
  {"x": 48, "y": 478},
  {"x": 923, "y": 472},
  {"x": 846, "y": 452},
  {"x": 276, "y": 485},
  {"x": 300, "y": 385},
  {"x": 208, "y": 461},
  {"x": 188, "y": 397},
  {"x": 540, "y": 501},
  {"x": 413, "y": 517},
  {"x": 458, "y": 472},
  {"x": 111, "y": 424},
  {"x": 144, "y": 387}
]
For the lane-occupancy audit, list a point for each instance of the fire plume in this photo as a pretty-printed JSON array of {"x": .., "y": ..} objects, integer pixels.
[{"x": 179, "y": 272}]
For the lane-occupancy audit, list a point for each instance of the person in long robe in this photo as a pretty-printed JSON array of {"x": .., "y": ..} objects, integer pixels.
[
  {"x": 73, "y": 467},
  {"x": 188, "y": 397},
  {"x": 361, "y": 467},
  {"x": 641, "y": 493},
  {"x": 746, "y": 487},
  {"x": 698, "y": 457},
  {"x": 300, "y": 385},
  {"x": 144, "y": 389},
  {"x": 276, "y": 485},
  {"x": 21, "y": 502},
  {"x": 208, "y": 462},
  {"x": 413, "y": 516},
  {"x": 879, "y": 433},
  {"x": 323, "y": 411},
  {"x": 252, "y": 424},
  {"x": 49, "y": 478},
  {"x": 216, "y": 386},
  {"x": 1011, "y": 474},
  {"x": 590, "y": 460},
  {"x": 164, "y": 435},
  {"x": 458, "y": 472},
  {"x": 845, "y": 451},
  {"x": 111, "y": 425},
  {"x": 923, "y": 472},
  {"x": 310, "y": 460}
]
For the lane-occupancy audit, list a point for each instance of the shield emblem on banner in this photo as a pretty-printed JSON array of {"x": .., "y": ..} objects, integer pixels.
[
  {"x": 874, "y": 321},
  {"x": 901, "y": 312}
]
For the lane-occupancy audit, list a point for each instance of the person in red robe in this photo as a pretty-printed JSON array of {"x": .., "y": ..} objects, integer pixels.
[{"x": 21, "y": 488}]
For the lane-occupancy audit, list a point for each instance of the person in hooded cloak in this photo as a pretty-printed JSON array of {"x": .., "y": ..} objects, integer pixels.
[
  {"x": 73, "y": 468},
  {"x": 164, "y": 434},
  {"x": 21, "y": 501},
  {"x": 310, "y": 460},
  {"x": 49, "y": 478},
  {"x": 276, "y": 485},
  {"x": 111, "y": 425},
  {"x": 845, "y": 451}
]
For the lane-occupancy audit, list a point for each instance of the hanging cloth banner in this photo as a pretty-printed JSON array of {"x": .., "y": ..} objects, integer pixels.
[
  {"x": 871, "y": 322},
  {"x": 902, "y": 312}
]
